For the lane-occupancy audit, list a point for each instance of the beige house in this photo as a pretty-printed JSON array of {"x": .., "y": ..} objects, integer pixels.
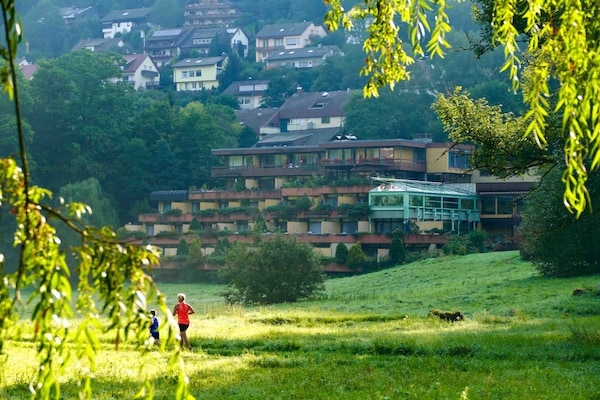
[
  {"x": 140, "y": 71},
  {"x": 198, "y": 73},
  {"x": 273, "y": 39}
]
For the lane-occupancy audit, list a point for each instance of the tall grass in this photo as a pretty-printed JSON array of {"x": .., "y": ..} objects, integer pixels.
[{"x": 370, "y": 337}]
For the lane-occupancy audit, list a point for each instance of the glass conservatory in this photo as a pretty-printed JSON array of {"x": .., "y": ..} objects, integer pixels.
[{"x": 395, "y": 203}]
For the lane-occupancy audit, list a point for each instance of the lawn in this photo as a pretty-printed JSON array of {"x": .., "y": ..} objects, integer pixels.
[{"x": 370, "y": 337}]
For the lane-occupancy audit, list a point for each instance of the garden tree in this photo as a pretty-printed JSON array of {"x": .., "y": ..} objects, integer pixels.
[
  {"x": 406, "y": 113},
  {"x": 79, "y": 116},
  {"x": 90, "y": 192},
  {"x": 232, "y": 72},
  {"x": 154, "y": 120},
  {"x": 356, "y": 257},
  {"x": 555, "y": 241},
  {"x": 38, "y": 21},
  {"x": 194, "y": 255},
  {"x": 247, "y": 137},
  {"x": 260, "y": 225},
  {"x": 183, "y": 249},
  {"x": 502, "y": 148},
  {"x": 397, "y": 251},
  {"x": 194, "y": 225},
  {"x": 562, "y": 46},
  {"x": 108, "y": 273},
  {"x": 282, "y": 85},
  {"x": 167, "y": 13},
  {"x": 273, "y": 270},
  {"x": 198, "y": 129},
  {"x": 341, "y": 253}
]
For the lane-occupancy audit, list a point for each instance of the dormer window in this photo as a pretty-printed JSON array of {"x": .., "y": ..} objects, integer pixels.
[{"x": 318, "y": 105}]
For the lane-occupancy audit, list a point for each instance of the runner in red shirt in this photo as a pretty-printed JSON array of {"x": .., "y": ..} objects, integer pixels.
[{"x": 183, "y": 311}]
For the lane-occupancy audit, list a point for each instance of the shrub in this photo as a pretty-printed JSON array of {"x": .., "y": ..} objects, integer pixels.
[
  {"x": 173, "y": 211},
  {"x": 182, "y": 248},
  {"x": 397, "y": 251},
  {"x": 355, "y": 256},
  {"x": 341, "y": 253},
  {"x": 276, "y": 270}
]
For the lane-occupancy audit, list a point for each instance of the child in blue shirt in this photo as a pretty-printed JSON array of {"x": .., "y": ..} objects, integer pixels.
[{"x": 154, "y": 327}]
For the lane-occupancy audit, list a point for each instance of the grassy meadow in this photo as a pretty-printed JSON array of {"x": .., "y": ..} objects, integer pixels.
[{"x": 369, "y": 337}]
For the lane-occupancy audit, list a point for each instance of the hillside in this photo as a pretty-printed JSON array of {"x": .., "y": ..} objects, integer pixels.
[{"x": 498, "y": 283}]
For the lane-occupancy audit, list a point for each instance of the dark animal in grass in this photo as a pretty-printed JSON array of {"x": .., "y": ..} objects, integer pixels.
[{"x": 447, "y": 315}]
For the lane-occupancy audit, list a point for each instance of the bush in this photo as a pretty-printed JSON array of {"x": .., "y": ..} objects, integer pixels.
[
  {"x": 275, "y": 270},
  {"x": 397, "y": 251},
  {"x": 356, "y": 257},
  {"x": 341, "y": 253}
]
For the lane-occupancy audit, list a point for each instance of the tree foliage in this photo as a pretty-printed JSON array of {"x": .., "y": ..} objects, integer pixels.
[
  {"x": 341, "y": 253},
  {"x": 356, "y": 257},
  {"x": 555, "y": 241},
  {"x": 274, "y": 270},
  {"x": 562, "y": 45},
  {"x": 110, "y": 277},
  {"x": 397, "y": 251}
]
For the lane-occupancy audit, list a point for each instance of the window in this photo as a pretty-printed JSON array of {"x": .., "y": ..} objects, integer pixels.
[
  {"x": 488, "y": 205},
  {"x": 314, "y": 227},
  {"x": 198, "y": 72},
  {"x": 458, "y": 159},
  {"x": 433, "y": 201},
  {"x": 292, "y": 41},
  {"x": 467, "y": 204},
  {"x": 278, "y": 42},
  {"x": 505, "y": 204},
  {"x": 451, "y": 202},
  {"x": 184, "y": 74},
  {"x": 325, "y": 120}
]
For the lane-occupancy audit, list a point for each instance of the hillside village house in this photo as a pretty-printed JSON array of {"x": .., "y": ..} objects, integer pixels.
[
  {"x": 164, "y": 45},
  {"x": 140, "y": 71},
  {"x": 194, "y": 74},
  {"x": 249, "y": 93},
  {"x": 72, "y": 15},
  {"x": 313, "y": 110},
  {"x": 210, "y": 14},
  {"x": 100, "y": 45},
  {"x": 307, "y": 57},
  {"x": 124, "y": 21},
  {"x": 275, "y": 38}
]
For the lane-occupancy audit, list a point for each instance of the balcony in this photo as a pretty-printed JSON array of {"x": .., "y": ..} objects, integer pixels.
[
  {"x": 234, "y": 195},
  {"x": 160, "y": 218},
  {"x": 263, "y": 170}
]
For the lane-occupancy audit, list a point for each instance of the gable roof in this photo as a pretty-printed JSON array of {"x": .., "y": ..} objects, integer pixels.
[
  {"x": 98, "y": 45},
  {"x": 315, "y": 104},
  {"x": 28, "y": 70},
  {"x": 133, "y": 14},
  {"x": 256, "y": 118},
  {"x": 308, "y": 137},
  {"x": 247, "y": 87},
  {"x": 198, "y": 62},
  {"x": 283, "y": 30},
  {"x": 303, "y": 53},
  {"x": 133, "y": 62}
]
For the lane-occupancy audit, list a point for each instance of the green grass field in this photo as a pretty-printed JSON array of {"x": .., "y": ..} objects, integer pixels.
[{"x": 369, "y": 337}]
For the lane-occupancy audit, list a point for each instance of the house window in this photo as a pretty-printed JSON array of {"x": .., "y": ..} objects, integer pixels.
[
  {"x": 278, "y": 42},
  {"x": 184, "y": 74},
  {"x": 198, "y": 72},
  {"x": 292, "y": 41},
  {"x": 325, "y": 120},
  {"x": 458, "y": 159}
]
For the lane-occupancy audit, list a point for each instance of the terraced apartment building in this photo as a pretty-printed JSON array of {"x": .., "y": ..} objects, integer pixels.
[{"x": 327, "y": 188}]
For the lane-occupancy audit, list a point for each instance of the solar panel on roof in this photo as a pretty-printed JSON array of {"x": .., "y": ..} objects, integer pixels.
[{"x": 167, "y": 32}]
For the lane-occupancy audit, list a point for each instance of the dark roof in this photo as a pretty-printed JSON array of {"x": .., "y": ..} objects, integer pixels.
[
  {"x": 134, "y": 14},
  {"x": 315, "y": 105},
  {"x": 256, "y": 118},
  {"x": 100, "y": 44},
  {"x": 308, "y": 137},
  {"x": 283, "y": 30},
  {"x": 198, "y": 61},
  {"x": 306, "y": 52},
  {"x": 248, "y": 85},
  {"x": 133, "y": 61}
]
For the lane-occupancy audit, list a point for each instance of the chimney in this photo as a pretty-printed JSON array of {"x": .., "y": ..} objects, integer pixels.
[{"x": 299, "y": 89}]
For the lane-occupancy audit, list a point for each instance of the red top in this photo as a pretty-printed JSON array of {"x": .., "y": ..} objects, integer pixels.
[{"x": 182, "y": 314}]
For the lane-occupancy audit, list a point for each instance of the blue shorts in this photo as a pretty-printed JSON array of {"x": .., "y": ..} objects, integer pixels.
[{"x": 155, "y": 335}]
